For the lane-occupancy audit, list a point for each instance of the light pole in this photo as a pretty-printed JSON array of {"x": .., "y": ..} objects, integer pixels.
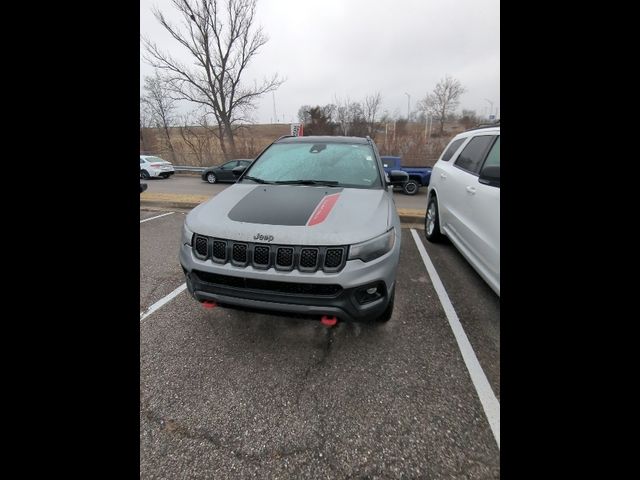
[
  {"x": 491, "y": 109},
  {"x": 408, "y": 105}
]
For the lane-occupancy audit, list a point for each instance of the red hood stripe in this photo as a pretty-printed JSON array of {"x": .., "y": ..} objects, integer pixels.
[{"x": 323, "y": 209}]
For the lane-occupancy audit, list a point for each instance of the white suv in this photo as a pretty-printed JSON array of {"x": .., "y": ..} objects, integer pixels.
[
  {"x": 155, "y": 167},
  {"x": 463, "y": 200}
]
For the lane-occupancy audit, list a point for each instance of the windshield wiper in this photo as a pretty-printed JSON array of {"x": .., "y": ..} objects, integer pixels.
[
  {"x": 307, "y": 182},
  {"x": 257, "y": 180}
]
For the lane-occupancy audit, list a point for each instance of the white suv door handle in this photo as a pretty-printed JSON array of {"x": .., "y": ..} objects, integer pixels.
[
  {"x": 471, "y": 190},
  {"x": 442, "y": 175}
]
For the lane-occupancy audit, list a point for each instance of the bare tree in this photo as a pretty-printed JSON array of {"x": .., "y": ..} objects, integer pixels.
[
  {"x": 196, "y": 134},
  {"x": 468, "y": 118},
  {"x": 145, "y": 123},
  {"x": 350, "y": 117},
  {"x": 444, "y": 99},
  {"x": 221, "y": 38},
  {"x": 160, "y": 108},
  {"x": 342, "y": 114},
  {"x": 371, "y": 107},
  {"x": 318, "y": 120},
  {"x": 304, "y": 114}
]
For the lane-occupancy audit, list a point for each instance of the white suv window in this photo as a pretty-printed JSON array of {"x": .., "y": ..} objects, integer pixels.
[
  {"x": 446, "y": 156},
  {"x": 493, "y": 159},
  {"x": 470, "y": 159}
]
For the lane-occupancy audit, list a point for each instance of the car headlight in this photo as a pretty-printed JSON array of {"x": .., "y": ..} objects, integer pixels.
[
  {"x": 187, "y": 235},
  {"x": 374, "y": 248}
]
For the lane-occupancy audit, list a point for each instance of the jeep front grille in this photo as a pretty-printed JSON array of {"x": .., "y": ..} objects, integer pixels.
[{"x": 264, "y": 256}]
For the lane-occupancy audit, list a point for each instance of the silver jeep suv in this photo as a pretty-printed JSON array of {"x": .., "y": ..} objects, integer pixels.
[{"x": 310, "y": 228}]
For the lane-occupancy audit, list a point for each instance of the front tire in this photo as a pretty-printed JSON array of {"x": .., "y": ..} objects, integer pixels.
[
  {"x": 411, "y": 187},
  {"x": 211, "y": 178},
  {"x": 432, "y": 222},
  {"x": 145, "y": 175}
]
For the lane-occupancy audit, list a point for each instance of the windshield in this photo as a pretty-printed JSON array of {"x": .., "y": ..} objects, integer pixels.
[{"x": 339, "y": 164}]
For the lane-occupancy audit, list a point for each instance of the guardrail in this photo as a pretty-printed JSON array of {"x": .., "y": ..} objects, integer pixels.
[{"x": 186, "y": 168}]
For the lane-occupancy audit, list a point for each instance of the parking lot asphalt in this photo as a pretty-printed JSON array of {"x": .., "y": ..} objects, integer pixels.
[{"x": 230, "y": 394}]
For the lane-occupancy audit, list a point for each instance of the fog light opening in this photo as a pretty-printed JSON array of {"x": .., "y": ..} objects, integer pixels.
[{"x": 369, "y": 293}]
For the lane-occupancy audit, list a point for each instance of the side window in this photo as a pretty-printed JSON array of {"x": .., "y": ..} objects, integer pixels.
[
  {"x": 446, "y": 156},
  {"x": 493, "y": 159},
  {"x": 470, "y": 159},
  {"x": 245, "y": 163},
  {"x": 141, "y": 161},
  {"x": 229, "y": 165}
]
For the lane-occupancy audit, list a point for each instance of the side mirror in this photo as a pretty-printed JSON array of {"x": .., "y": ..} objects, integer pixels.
[
  {"x": 398, "y": 177},
  {"x": 239, "y": 170},
  {"x": 490, "y": 175}
]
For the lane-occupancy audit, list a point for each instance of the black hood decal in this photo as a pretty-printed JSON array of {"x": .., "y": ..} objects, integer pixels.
[{"x": 280, "y": 205}]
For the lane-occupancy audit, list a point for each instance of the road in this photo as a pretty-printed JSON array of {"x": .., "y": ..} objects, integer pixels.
[
  {"x": 194, "y": 185},
  {"x": 230, "y": 394}
]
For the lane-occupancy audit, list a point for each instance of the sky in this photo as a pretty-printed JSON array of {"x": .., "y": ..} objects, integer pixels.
[{"x": 328, "y": 49}]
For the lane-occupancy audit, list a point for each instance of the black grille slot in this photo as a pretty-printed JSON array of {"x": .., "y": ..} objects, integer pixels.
[
  {"x": 201, "y": 246},
  {"x": 284, "y": 257},
  {"x": 308, "y": 258},
  {"x": 261, "y": 255},
  {"x": 219, "y": 250},
  {"x": 268, "y": 285},
  {"x": 239, "y": 253},
  {"x": 333, "y": 257}
]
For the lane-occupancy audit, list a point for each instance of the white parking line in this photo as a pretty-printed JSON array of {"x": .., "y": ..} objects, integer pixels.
[
  {"x": 488, "y": 399},
  {"x": 163, "y": 301},
  {"x": 153, "y": 218}
]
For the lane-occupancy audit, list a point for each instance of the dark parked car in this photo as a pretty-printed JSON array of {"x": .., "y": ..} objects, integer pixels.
[{"x": 224, "y": 172}]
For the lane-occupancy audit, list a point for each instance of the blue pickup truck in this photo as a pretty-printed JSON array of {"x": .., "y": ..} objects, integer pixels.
[{"x": 418, "y": 176}]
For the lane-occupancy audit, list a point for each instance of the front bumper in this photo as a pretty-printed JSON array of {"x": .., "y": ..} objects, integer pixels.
[
  {"x": 302, "y": 294},
  {"x": 160, "y": 172}
]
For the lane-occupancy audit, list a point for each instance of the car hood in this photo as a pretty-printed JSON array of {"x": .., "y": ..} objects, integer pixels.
[{"x": 294, "y": 214}]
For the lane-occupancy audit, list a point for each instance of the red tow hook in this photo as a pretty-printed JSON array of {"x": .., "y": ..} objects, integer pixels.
[
  {"x": 328, "y": 321},
  {"x": 209, "y": 304}
]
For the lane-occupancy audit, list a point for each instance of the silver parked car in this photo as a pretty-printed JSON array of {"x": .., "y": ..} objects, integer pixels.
[
  {"x": 309, "y": 228},
  {"x": 463, "y": 200}
]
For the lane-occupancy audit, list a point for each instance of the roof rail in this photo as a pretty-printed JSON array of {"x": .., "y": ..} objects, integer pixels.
[{"x": 484, "y": 125}]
